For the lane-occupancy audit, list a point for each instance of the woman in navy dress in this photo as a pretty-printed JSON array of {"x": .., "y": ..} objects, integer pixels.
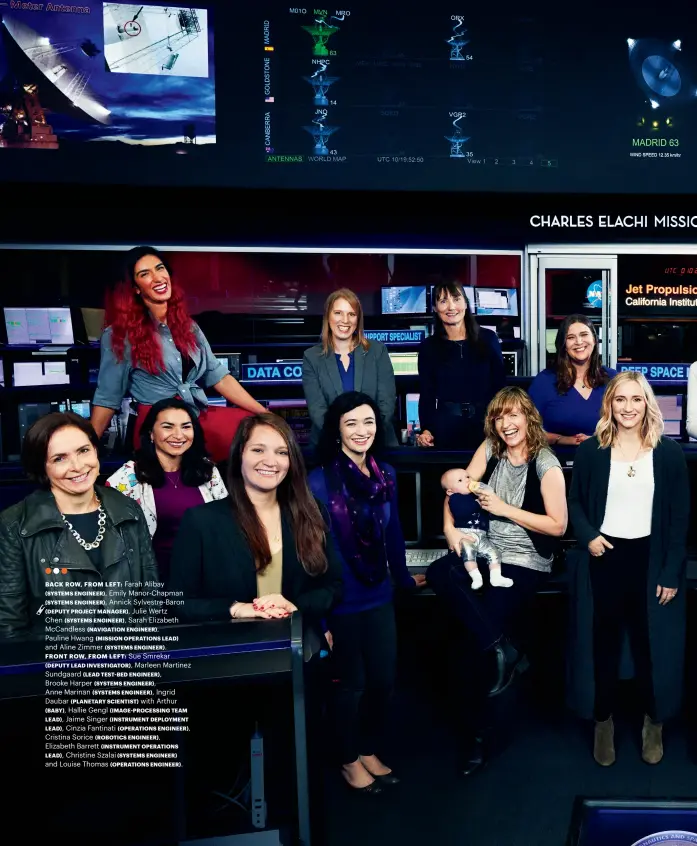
[{"x": 569, "y": 397}]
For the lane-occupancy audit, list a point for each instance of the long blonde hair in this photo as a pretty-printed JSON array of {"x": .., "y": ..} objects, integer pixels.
[
  {"x": 651, "y": 425},
  {"x": 506, "y": 400},
  {"x": 359, "y": 338}
]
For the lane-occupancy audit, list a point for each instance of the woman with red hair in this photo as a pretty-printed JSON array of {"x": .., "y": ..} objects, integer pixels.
[{"x": 151, "y": 349}]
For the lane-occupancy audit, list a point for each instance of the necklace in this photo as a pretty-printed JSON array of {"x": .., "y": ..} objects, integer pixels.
[
  {"x": 582, "y": 386},
  {"x": 101, "y": 522},
  {"x": 176, "y": 480},
  {"x": 631, "y": 472}
]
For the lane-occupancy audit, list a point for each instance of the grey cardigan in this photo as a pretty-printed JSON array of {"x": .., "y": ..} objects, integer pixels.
[{"x": 373, "y": 376}]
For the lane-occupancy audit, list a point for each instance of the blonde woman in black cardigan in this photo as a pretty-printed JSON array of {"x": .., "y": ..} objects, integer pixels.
[{"x": 629, "y": 506}]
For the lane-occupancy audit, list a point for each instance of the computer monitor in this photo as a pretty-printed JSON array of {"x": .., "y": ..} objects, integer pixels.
[
  {"x": 39, "y": 326},
  {"x": 26, "y": 374},
  {"x": 30, "y": 412},
  {"x": 409, "y": 299},
  {"x": 412, "y": 413},
  {"x": 405, "y": 363},
  {"x": 93, "y": 318},
  {"x": 296, "y": 415},
  {"x": 231, "y": 361},
  {"x": 469, "y": 293},
  {"x": 672, "y": 406},
  {"x": 499, "y": 302},
  {"x": 81, "y": 407}
]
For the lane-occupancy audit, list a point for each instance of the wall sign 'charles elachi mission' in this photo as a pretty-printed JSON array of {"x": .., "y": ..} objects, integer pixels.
[{"x": 613, "y": 221}]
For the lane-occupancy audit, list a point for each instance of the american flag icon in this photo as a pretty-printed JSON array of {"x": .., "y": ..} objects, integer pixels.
[{"x": 268, "y": 100}]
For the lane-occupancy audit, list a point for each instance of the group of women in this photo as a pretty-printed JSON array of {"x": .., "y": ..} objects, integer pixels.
[{"x": 270, "y": 540}]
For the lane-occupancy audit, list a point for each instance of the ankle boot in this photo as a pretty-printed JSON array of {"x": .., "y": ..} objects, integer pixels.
[
  {"x": 652, "y": 741},
  {"x": 604, "y": 743}
]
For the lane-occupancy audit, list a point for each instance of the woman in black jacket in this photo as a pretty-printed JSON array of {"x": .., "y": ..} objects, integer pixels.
[
  {"x": 630, "y": 505},
  {"x": 70, "y": 530},
  {"x": 264, "y": 551},
  {"x": 460, "y": 370}
]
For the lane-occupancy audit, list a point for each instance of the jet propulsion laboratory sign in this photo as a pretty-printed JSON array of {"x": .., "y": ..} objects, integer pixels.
[{"x": 656, "y": 286}]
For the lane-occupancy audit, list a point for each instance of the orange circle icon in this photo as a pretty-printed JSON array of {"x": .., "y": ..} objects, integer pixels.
[
  {"x": 64, "y": 570},
  {"x": 48, "y": 571}
]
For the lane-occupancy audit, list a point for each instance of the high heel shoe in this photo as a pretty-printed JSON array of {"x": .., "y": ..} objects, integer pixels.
[
  {"x": 386, "y": 780},
  {"x": 371, "y": 789}
]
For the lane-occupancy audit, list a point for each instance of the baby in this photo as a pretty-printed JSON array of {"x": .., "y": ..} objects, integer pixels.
[{"x": 473, "y": 522}]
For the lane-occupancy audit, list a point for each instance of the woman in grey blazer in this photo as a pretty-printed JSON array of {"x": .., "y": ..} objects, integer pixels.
[{"x": 345, "y": 360}]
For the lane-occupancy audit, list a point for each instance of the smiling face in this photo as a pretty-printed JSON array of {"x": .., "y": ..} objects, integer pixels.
[
  {"x": 357, "y": 430},
  {"x": 512, "y": 426},
  {"x": 343, "y": 320},
  {"x": 265, "y": 460},
  {"x": 579, "y": 342},
  {"x": 72, "y": 463},
  {"x": 173, "y": 432},
  {"x": 152, "y": 280},
  {"x": 451, "y": 308},
  {"x": 628, "y": 406}
]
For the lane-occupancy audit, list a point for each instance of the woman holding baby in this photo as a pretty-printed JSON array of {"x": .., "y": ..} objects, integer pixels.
[{"x": 525, "y": 501}]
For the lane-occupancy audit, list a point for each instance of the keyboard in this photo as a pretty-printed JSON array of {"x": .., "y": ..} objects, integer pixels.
[{"x": 423, "y": 557}]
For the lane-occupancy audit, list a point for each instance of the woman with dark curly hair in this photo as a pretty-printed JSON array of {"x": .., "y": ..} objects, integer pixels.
[
  {"x": 153, "y": 350},
  {"x": 569, "y": 395},
  {"x": 525, "y": 497},
  {"x": 360, "y": 493},
  {"x": 171, "y": 473}
]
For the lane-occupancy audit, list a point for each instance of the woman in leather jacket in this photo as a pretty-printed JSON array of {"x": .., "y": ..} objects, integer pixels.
[{"x": 70, "y": 530}]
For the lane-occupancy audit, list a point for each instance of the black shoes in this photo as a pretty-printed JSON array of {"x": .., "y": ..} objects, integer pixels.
[{"x": 509, "y": 663}]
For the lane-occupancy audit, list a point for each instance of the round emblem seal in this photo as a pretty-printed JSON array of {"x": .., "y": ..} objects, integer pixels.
[{"x": 668, "y": 838}]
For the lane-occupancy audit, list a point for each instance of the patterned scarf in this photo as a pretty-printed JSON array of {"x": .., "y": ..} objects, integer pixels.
[{"x": 356, "y": 505}]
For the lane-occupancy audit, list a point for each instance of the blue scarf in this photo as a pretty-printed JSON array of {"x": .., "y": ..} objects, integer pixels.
[{"x": 356, "y": 505}]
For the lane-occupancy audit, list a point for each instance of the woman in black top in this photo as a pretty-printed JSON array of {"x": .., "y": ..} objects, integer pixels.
[
  {"x": 70, "y": 530},
  {"x": 461, "y": 369},
  {"x": 630, "y": 508},
  {"x": 264, "y": 551}
]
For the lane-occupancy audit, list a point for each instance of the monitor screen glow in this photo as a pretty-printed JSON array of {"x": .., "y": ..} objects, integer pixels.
[
  {"x": 501, "y": 302},
  {"x": 39, "y": 326},
  {"x": 671, "y": 406},
  {"x": 404, "y": 300},
  {"x": 405, "y": 364}
]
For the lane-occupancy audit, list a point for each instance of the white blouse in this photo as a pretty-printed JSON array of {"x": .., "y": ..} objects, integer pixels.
[{"x": 629, "y": 499}]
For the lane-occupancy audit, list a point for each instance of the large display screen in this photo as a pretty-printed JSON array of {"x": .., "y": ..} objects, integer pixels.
[
  {"x": 453, "y": 96},
  {"x": 446, "y": 96},
  {"x": 112, "y": 87}
]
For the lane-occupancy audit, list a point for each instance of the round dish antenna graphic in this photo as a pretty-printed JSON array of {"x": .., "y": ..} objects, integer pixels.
[{"x": 36, "y": 63}]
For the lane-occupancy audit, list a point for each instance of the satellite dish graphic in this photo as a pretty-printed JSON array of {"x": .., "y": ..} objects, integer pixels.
[
  {"x": 660, "y": 71},
  {"x": 662, "y": 77},
  {"x": 35, "y": 61}
]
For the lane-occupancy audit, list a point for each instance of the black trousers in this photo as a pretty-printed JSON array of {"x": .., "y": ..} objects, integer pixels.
[
  {"x": 481, "y": 618},
  {"x": 488, "y": 613},
  {"x": 364, "y": 658},
  {"x": 620, "y": 604},
  {"x": 452, "y": 431}
]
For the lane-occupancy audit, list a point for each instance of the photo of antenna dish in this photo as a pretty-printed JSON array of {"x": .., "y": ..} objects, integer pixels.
[{"x": 162, "y": 40}]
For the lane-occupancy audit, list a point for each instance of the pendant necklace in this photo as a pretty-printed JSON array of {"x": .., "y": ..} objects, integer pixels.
[{"x": 631, "y": 472}]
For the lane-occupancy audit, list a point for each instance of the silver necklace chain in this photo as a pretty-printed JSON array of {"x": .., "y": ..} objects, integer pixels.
[{"x": 101, "y": 522}]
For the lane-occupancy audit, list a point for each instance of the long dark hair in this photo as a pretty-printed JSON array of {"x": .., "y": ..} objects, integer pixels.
[
  {"x": 297, "y": 503},
  {"x": 130, "y": 320},
  {"x": 196, "y": 466},
  {"x": 330, "y": 438},
  {"x": 36, "y": 440},
  {"x": 455, "y": 289},
  {"x": 566, "y": 375}
]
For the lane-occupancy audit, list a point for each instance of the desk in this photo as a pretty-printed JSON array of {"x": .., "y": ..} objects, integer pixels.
[{"x": 238, "y": 649}]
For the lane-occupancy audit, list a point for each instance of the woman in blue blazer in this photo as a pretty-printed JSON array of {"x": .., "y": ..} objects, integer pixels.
[{"x": 346, "y": 361}]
